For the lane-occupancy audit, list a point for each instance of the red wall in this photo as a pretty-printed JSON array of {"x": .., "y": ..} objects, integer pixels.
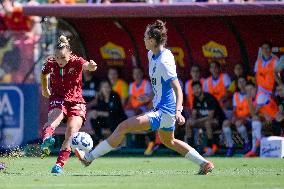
[{"x": 189, "y": 34}]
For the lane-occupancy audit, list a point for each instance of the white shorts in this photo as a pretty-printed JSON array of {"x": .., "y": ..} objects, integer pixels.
[{"x": 161, "y": 120}]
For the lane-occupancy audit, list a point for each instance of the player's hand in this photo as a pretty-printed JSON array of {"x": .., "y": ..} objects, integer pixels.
[
  {"x": 92, "y": 66},
  {"x": 279, "y": 117},
  {"x": 46, "y": 93},
  {"x": 179, "y": 118},
  {"x": 144, "y": 98}
]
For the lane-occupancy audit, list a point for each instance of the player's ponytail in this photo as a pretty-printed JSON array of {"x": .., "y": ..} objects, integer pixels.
[
  {"x": 62, "y": 43},
  {"x": 158, "y": 31}
]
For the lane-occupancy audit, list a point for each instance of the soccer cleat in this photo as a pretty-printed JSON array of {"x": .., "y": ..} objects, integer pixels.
[
  {"x": 81, "y": 156},
  {"x": 251, "y": 154},
  {"x": 149, "y": 150},
  {"x": 57, "y": 169},
  {"x": 206, "y": 168},
  {"x": 45, "y": 146},
  {"x": 230, "y": 152}
]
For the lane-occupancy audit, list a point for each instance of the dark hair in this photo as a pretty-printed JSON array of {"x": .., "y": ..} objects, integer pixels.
[
  {"x": 196, "y": 83},
  {"x": 196, "y": 66},
  {"x": 217, "y": 64},
  {"x": 139, "y": 68},
  {"x": 241, "y": 77},
  {"x": 62, "y": 43},
  {"x": 100, "y": 95},
  {"x": 117, "y": 69},
  {"x": 237, "y": 81},
  {"x": 266, "y": 42},
  {"x": 158, "y": 31},
  {"x": 250, "y": 83}
]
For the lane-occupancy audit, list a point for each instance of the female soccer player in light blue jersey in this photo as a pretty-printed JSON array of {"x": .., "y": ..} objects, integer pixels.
[{"x": 167, "y": 101}]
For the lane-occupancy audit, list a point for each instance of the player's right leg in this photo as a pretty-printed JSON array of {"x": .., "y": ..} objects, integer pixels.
[
  {"x": 137, "y": 123},
  {"x": 55, "y": 116},
  {"x": 256, "y": 137},
  {"x": 227, "y": 131},
  {"x": 168, "y": 139}
]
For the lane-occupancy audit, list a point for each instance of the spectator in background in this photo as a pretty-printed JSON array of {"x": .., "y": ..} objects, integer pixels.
[
  {"x": 118, "y": 85},
  {"x": 195, "y": 76},
  {"x": 218, "y": 83},
  {"x": 263, "y": 110},
  {"x": 107, "y": 113},
  {"x": 278, "y": 124},
  {"x": 137, "y": 88},
  {"x": 280, "y": 69},
  {"x": 90, "y": 86},
  {"x": 265, "y": 69},
  {"x": 240, "y": 118},
  {"x": 239, "y": 72},
  {"x": 206, "y": 114}
]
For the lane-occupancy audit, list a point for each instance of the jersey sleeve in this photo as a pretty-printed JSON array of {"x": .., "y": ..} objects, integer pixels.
[
  {"x": 168, "y": 70},
  {"x": 81, "y": 60},
  {"x": 46, "y": 68},
  {"x": 255, "y": 67},
  {"x": 130, "y": 89},
  {"x": 186, "y": 88},
  {"x": 234, "y": 100},
  {"x": 227, "y": 81},
  {"x": 277, "y": 62},
  {"x": 262, "y": 100},
  {"x": 205, "y": 86}
]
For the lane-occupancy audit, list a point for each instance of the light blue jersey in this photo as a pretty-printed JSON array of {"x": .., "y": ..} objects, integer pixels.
[{"x": 162, "y": 70}]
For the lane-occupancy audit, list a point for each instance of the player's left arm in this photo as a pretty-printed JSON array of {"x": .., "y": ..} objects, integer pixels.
[
  {"x": 227, "y": 82},
  {"x": 179, "y": 98},
  {"x": 277, "y": 73},
  {"x": 90, "y": 66}
]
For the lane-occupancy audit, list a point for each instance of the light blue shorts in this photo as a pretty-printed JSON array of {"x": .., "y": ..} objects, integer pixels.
[{"x": 160, "y": 120}]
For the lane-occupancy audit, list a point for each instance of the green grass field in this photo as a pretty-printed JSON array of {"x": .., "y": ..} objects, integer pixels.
[{"x": 143, "y": 173}]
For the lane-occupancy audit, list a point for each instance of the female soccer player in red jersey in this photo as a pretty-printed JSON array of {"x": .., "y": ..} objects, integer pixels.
[{"x": 64, "y": 71}]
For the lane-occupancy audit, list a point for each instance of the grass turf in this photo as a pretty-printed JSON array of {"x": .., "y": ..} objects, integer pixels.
[{"x": 143, "y": 173}]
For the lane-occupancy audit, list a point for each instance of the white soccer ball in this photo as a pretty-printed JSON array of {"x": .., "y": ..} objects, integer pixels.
[{"x": 82, "y": 141}]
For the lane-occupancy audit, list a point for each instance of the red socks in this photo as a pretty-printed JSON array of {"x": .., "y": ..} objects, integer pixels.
[
  {"x": 63, "y": 157},
  {"x": 47, "y": 132}
]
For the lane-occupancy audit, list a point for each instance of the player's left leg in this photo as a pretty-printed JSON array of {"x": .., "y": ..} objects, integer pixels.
[
  {"x": 168, "y": 139},
  {"x": 242, "y": 130},
  {"x": 74, "y": 124},
  {"x": 256, "y": 137},
  {"x": 137, "y": 123}
]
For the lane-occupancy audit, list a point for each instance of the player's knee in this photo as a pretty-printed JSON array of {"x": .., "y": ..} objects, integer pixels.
[
  {"x": 123, "y": 127},
  {"x": 168, "y": 142},
  {"x": 238, "y": 123},
  {"x": 226, "y": 123}
]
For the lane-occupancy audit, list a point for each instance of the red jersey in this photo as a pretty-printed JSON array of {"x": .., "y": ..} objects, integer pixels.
[{"x": 66, "y": 82}]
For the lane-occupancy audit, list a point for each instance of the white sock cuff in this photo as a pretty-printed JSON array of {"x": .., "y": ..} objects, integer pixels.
[{"x": 195, "y": 157}]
